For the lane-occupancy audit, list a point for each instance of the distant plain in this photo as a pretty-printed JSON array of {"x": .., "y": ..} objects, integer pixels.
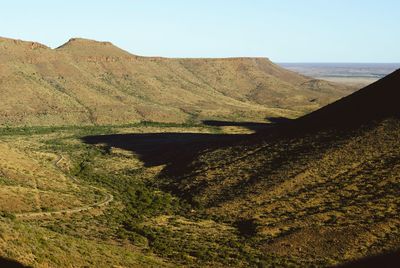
[{"x": 353, "y": 74}]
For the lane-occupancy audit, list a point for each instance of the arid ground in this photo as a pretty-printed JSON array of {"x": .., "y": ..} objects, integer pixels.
[{"x": 108, "y": 159}]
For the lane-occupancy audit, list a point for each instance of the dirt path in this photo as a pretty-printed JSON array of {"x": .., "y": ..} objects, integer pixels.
[{"x": 108, "y": 198}]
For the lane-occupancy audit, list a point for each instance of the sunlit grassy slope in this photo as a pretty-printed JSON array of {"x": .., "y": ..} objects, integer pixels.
[{"x": 90, "y": 82}]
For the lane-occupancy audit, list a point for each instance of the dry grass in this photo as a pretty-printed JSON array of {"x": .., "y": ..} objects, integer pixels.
[
  {"x": 326, "y": 197},
  {"x": 88, "y": 82},
  {"x": 314, "y": 199},
  {"x": 31, "y": 182}
]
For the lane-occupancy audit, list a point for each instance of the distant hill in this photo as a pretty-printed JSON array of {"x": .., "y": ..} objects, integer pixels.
[{"x": 90, "y": 82}]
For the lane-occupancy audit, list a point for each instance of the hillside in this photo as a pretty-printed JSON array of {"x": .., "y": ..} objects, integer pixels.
[
  {"x": 90, "y": 82},
  {"x": 324, "y": 190}
]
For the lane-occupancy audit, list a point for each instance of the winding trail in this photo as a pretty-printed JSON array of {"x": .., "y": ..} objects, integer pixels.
[{"x": 108, "y": 198}]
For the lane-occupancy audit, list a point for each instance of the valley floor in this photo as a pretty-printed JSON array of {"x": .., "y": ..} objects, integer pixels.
[
  {"x": 66, "y": 203},
  {"x": 105, "y": 197}
]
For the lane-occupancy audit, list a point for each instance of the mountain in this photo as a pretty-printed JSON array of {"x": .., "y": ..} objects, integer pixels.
[
  {"x": 91, "y": 82},
  {"x": 324, "y": 192}
]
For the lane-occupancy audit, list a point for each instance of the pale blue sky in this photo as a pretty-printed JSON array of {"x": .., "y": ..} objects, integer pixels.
[{"x": 283, "y": 30}]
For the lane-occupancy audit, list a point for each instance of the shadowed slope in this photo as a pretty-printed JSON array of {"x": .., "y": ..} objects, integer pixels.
[
  {"x": 324, "y": 196},
  {"x": 389, "y": 260},
  {"x": 330, "y": 194}
]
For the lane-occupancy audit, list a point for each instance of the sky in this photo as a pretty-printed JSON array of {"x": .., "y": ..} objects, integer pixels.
[{"x": 282, "y": 30}]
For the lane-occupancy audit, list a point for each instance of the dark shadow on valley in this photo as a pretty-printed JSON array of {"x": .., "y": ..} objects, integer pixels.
[
  {"x": 176, "y": 150},
  {"x": 162, "y": 148}
]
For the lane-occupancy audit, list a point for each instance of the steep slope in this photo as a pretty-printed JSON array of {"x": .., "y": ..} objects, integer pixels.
[
  {"x": 90, "y": 82},
  {"x": 324, "y": 193}
]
